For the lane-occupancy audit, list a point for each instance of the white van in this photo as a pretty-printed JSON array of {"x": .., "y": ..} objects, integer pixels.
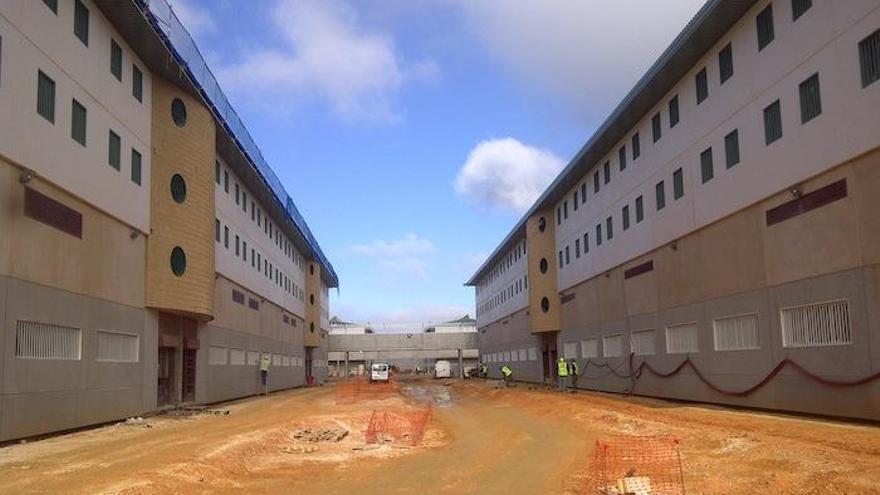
[
  {"x": 380, "y": 372},
  {"x": 442, "y": 370}
]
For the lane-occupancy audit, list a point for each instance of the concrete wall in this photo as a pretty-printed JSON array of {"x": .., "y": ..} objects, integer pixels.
[{"x": 403, "y": 350}]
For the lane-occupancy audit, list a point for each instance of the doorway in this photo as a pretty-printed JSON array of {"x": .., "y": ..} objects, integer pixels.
[
  {"x": 165, "y": 393},
  {"x": 310, "y": 379},
  {"x": 177, "y": 359},
  {"x": 549, "y": 356}
]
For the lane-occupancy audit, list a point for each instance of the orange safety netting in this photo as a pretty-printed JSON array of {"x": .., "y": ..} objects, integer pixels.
[
  {"x": 401, "y": 425},
  {"x": 355, "y": 390},
  {"x": 636, "y": 466}
]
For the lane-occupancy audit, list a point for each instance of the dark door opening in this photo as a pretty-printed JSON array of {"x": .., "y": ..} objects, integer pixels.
[
  {"x": 549, "y": 356},
  {"x": 310, "y": 378},
  {"x": 165, "y": 391},
  {"x": 189, "y": 375}
]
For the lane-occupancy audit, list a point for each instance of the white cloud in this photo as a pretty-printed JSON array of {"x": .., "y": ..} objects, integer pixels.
[
  {"x": 590, "y": 52},
  {"x": 326, "y": 55},
  {"x": 506, "y": 174},
  {"x": 196, "y": 20},
  {"x": 404, "y": 256}
]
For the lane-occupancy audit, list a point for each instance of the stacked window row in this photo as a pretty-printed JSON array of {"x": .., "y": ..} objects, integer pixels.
[
  {"x": 502, "y": 266},
  {"x": 507, "y": 294}
]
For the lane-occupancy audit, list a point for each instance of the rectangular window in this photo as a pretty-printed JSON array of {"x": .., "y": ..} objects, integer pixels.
[
  {"x": 707, "y": 170},
  {"x": 607, "y": 170},
  {"x": 643, "y": 343},
  {"x": 81, "y": 22},
  {"x": 772, "y": 123},
  {"x": 565, "y": 209},
  {"x": 237, "y": 357},
  {"x": 673, "y": 112},
  {"x": 78, "y": 121},
  {"x": 136, "y": 167},
  {"x": 702, "y": 82},
  {"x": 574, "y": 200},
  {"x": 244, "y": 201},
  {"x": 731, "y": 148},
  {"x": 45, "y": 96},
  {"x": 609, "y": 228},
  {"x": 567, "y": 255},
  {"x": 636, "y": 151},
  {"x": 640, "y": 209},
  {"x": 816, "y": 325},
  {"x": 117, "y": 347},
  {"x": 116, "y": 60},
  {"x": 624, "y": 213},
  {"x": 217, "y": 171},
  {"x": 765, "y": 27},
  {"x": 114, "y": 153},
  {"x": 52, "y": 4},
  {"x": 237, "y": 195},
  {"x": 811, "y": 101},
  {"x": 217, "y": 355},
  {"x": 660, "y": 193},
  {"x": 558, "y": 216},
  {"x": 560, "y": 259},
  {"x": 237, "y": 245},
  {"x": 725, "y": 63},
  {"x": 869, "y": 58},
  {"x": 682, "y": 339},
  {"x": 656, "y": 128},
  {"x": 621, "y": 157},
  {"x": 226, "y": 237},
  {"x": 586, "y": 243},
  {"x": 217, "y": 230},
  {"x": 799, "y": 8},
  {"x": 569, "y": 350},
  {"x": 736, "y": 333},
  {"x": 590, "y": 348},
  {"x": 612, "y": 345},
  {"x": 596, "y": 182},
  {"x": 599, "y": 235},
  {"x": 46, "y": 341},
  {"x": 226, "y": 182},
  {"x": 577, "y": 248},
  {"x": 137, "y": 83},
  {"x": 584, "y": 192},
  {"x": 677, "y": 184}
]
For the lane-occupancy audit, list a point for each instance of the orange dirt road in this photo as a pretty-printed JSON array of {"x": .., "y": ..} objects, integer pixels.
[{"x": 480, "y": 441}]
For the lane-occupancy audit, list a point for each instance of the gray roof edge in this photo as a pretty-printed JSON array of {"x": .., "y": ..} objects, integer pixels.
[{"x": 689, "y": 37}]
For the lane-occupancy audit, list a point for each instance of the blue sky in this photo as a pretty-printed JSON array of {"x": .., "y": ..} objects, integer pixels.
[{"x": 413, "y": 134}]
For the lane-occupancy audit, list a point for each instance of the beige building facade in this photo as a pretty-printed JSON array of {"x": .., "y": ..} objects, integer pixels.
[
  {"x": 118, "y": 295},
  {"x": 715, "y": 240}
]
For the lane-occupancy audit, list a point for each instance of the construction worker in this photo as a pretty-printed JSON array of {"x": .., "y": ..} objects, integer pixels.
[
  {"x": 562, "y": 374},
  {"x": 574, "y": 371},
  {"x": 507, "y": 375},
  {"x": 484, "y": 370},
  {"x": 265, "y": 361}
]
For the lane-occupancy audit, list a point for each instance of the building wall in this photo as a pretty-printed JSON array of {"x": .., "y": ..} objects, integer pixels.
[
  {"x": 503, "y": 341},
  {"x": 245, "y": 217},
  {"x": 312, "y": 335},
  {"x": 543, "y": 303},
  {"x": 35, "y": 39},
  {"x": 187, "y": 151},
  {"x": 504, "y": 289}
]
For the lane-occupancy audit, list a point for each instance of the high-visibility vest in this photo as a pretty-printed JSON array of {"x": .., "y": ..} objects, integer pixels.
[
  {"x": 506, "y": 371},
  {"x": 575, "y": 371},
  {"x": 264, "y": 363},
  {"x": 562, "y": 367}
]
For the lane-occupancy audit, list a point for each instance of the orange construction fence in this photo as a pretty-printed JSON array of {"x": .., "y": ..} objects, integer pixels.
[
  {"x": 404, "y": 425},
  {"x": 635, "y": 465}
]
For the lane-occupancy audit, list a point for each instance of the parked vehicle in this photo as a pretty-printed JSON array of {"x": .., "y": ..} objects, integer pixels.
[
  {"x": 380, "y": 372},
  {"x": 442, "y": 370}
]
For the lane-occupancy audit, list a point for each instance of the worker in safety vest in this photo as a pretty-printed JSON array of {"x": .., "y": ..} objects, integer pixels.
[
  {"x": 264, "y": 372},
  {"x": 507, "y": 375},
  {"x": 574, "y": 371},
  {"x": 484, "y": 370},
  {"x": 562, "y": 374}
]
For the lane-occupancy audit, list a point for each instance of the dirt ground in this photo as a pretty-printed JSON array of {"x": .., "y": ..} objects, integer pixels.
[{"x": 480, "y": 440}]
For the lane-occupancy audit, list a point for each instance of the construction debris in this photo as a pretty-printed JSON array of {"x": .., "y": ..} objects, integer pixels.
[
  {"x": 136, "y": 421},
  {"x": 320, "y": 435},
  {"x": 187, "y": 411}
]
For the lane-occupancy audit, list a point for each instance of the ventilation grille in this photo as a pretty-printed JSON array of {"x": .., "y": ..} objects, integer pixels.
[
  {"x": 736, "y": 333},
  {"x": 523, "y": 355},
  {"x": 44, "y": 341},
  {"x": 569, "y": 350},
  {"x": 816, "y": 325},
  {"x": 216, "y": 355},
  {"x": 682, "y": 339},
  {"x": 643, "y": 343},
  {"x": 533, "y": 353},
  {"x": 612, "y": 345},
  {"x": 117, "y": 347},
  {"x": 237, "y": 296},
  {"x": 253, "y": 357},
  {"x": 236, "y": 357},
  {"x": 589, "y": 348},
  {"x": 46, "y": 210}
]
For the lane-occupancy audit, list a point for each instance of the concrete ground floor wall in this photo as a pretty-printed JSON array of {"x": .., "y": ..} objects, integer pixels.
[
  {"x": 731, "y": 371},
  {"x": 40, "y": 395},
  {"x": 359, "y": 367}
]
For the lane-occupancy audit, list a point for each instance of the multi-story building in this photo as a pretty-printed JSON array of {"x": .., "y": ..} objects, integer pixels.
[
  {"x": 149, "y": 256},
  {"x": 716, "y": 239}
]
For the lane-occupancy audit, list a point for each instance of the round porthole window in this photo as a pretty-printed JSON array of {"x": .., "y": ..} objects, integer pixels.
[
  {"x": 542, "y": 224},
  {"x": 178, "y": 188},
  {"x": 178, "y": 112},
  {"x": 311, "y": 299},
  {"x": 312, "y": 327},
  {"x": 543, "y": 265},
  {"x": 545, "y": 305},
  {"x": 178, "y": 261}
]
